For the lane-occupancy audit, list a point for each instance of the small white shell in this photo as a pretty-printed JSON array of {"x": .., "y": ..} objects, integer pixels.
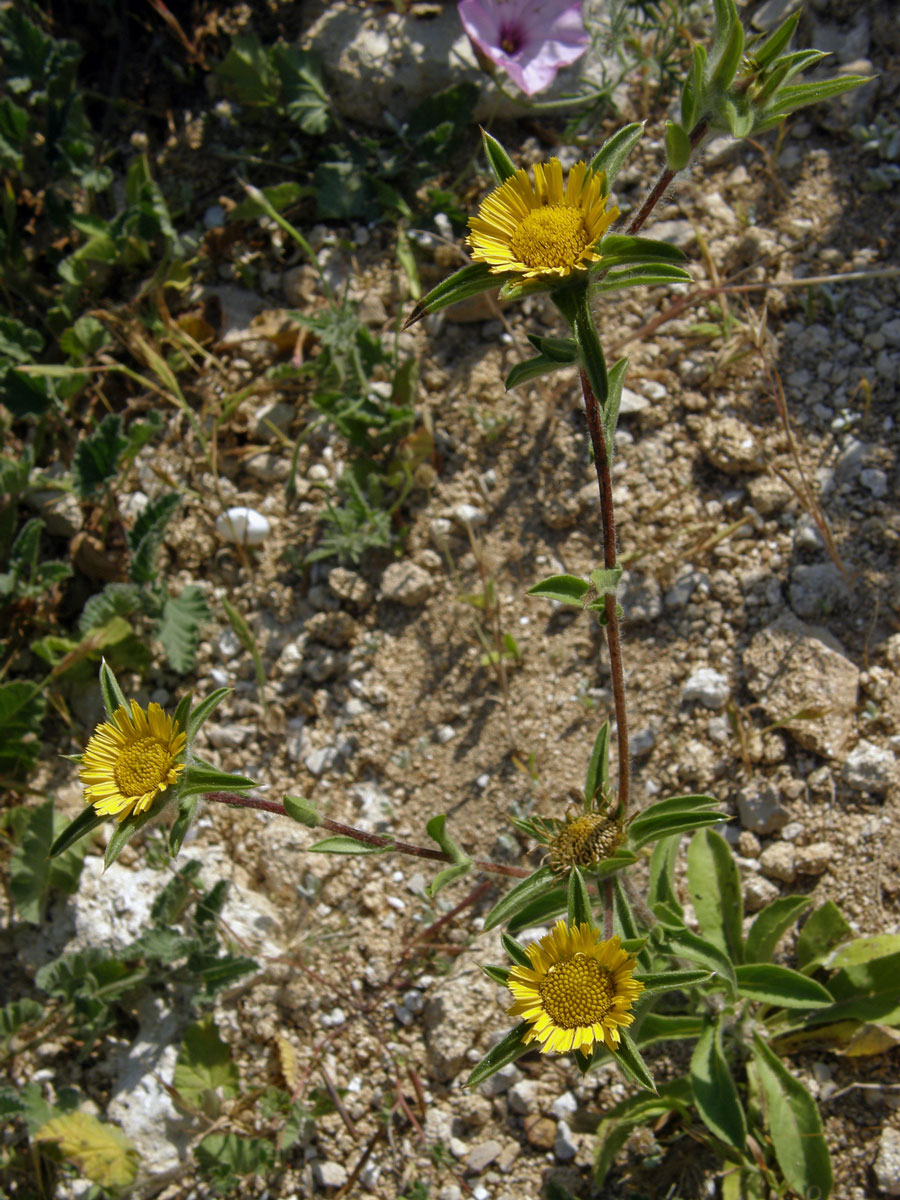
[{"x": 245, "y": 526}]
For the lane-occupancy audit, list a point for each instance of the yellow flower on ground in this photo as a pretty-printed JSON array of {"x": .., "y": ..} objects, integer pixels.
[
  {"x": 130, "y": 760},
  {"x": 578, "y": 990},
  {"x": 542, "y": 229}
]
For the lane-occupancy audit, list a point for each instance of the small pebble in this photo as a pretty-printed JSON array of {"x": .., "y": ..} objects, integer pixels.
[{"x": 243, "y": 526}]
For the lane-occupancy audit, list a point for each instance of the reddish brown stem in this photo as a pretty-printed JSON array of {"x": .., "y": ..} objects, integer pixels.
[
  {"x": 359, "y": 835},
  {"x": 698, "y": 133},
  {"x": 613, "y": 641}
]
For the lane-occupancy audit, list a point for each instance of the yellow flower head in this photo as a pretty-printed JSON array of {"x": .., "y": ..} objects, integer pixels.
[
  {"x": 541, "y": 229},
  {"x": 129, "y": 761},
  {"x": 578, "y": 990}
]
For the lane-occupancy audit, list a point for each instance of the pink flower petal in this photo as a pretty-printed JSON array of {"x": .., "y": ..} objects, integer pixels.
[{"x": 550, "y": 34}]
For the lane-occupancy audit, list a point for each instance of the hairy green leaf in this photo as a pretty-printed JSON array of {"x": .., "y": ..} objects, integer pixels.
[
  {"x": 794, "y": 1125},
  {"x": 506, "y": 1051},
  {"x": 715, "y": 1092},
  {"x": 715, "y": 887},
  {"x": 519, "y": 897}
]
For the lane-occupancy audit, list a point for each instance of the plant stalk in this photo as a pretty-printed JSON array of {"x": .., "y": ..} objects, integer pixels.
[
  {"x": 698, "y": 133},
  {"x": 359, "y": 835},
  {"x": 613, "y": 640}
]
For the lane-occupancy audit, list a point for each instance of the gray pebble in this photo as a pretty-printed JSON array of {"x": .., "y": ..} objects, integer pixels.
[
  {"x": 708, "y": 687},
  {"x": 868, "y": 768}
]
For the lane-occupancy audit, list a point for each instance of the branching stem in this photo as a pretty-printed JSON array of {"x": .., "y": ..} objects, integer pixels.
[{"x": 359, "y": 835}]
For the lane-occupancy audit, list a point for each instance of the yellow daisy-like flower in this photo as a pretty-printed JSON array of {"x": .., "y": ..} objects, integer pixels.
[
  {"x": 129, "y": 761},
  {"x": 542, "y": 229},
  {"x": 578, "y": 990}
]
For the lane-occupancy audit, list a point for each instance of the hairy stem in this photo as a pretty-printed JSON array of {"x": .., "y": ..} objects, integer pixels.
[
  {"x": 613, "y": 641},
  {"x": 359, "y": 835},
  {"x": 658, "y": 191}
]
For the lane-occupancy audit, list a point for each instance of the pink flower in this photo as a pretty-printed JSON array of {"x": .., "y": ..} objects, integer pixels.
[{"x": 529, "y": 39}]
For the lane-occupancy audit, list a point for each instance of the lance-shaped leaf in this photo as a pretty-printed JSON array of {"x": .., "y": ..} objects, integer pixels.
[
  {"x": 609, "y": 417},
  {"x": 506, "y": 1051},
  {"x": 496, "y": 974},
  {"x": 533, "y": 368},
  {"x": 199, "y": 777},
  {"x": 667, "y": 981},
  {"x": 781, "y": 71},
  {"x": 736, "y": 114},
  {"x": 204, "y": 710},
  {"x": 113, "y": 696},
  {"x": 631, "y": 1064},
  {"x": 715, "y": 888},
  {"x": 825, "y": 929},
  {"x": 501, "y": 164},
  {"x": 624, "y": 923},
  {"x": 618, "y": 249},
  {"x": 565, "y": 589},
  {"x": 187, "y": 808},
  {"x": 789, "y": 99},
  {"x": 573, "y": 303},
  {"x": 467, "y": 281},
  {"x": 597, "y": 779},
  {"x": 644, "y": 830},
  {"x": 661, "y": 1027},
  {"x": 693, "y": 95},
  {"x": 448, "y": 875},
  {"x": 662, "y": 875},
  {"x": 765, "y": 52},
  {"x": 728, "y": 61},
  {"x": 706, "y": 954},
  {"x": 341, "y": 844},
  {"x": 606, "y": 580},
  {"x": 794, "y": 1125},
  {"x": 520, "y": 897},
  {"x": 650, "y": 275},
  {"x": 125, "y": 830},
  {"x": 561, "y": 350},
  {"x": 86, "y": 821},
  {"x": 614, "y": 151},
  {"x": 773, "y": 921},
  {"x": 515, "y": 950},
  {"x": 774, "y": 984},
  {"x": 541, "y": 911},
  {"x": 578, "y": 902},
  {"x": 715, "y": 1092}
]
